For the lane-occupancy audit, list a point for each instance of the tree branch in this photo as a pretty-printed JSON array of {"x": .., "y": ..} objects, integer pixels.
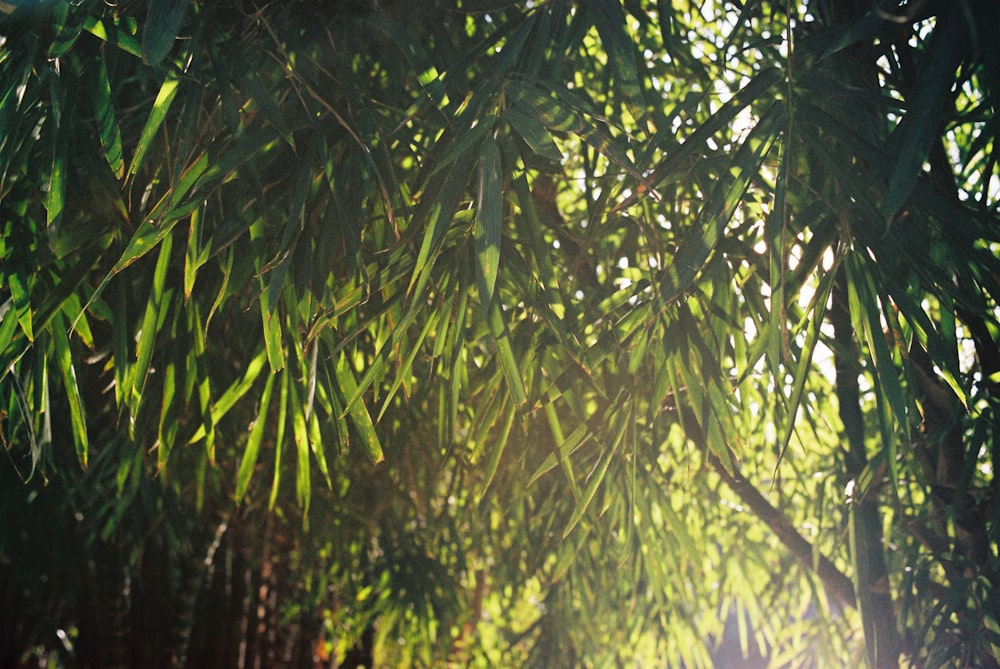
[{"x": 837, "y": 585}]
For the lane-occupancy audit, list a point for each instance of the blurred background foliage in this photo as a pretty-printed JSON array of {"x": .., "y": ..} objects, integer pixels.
[{"x": 482, "y": 333}]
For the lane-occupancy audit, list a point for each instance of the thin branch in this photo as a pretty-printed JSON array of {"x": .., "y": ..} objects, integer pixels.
[{"x": 837, "y": 585}]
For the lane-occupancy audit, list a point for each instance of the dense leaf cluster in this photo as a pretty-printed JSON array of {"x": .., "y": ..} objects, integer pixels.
[{"x": 519, "y": 334}]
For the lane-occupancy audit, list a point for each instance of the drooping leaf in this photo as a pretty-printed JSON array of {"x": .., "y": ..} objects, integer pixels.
[
  {"x": 912, "y": 139},
  {"x": 610, "y": 22},
  {"x": 360, "y": 417},
  {"x": 489, "y": 219},
  {"x": 595, "y": 478},
  {"x": 505, "y": 352},
  {"x": 22, "y": 303},
  {"x": 533, "y": 133},
  {"x": 77, "y": 413},
  {"x": 107, "y": 123},
  {"x": 161, "y": 105},
  {"x": 159, "y": 299},
  {"x": 694, "y": 250},
  {"x": 251, "y": 451}
]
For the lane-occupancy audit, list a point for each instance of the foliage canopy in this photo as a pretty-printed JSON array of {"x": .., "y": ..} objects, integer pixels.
[{"x": 520, "y": 334}]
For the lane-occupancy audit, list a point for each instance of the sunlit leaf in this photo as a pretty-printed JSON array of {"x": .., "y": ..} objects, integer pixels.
[
  {"x": 360, "y": 417},
  {"x": 77, "y": 414},
  {"x": 489, "y": 220},
  {"x": 161, "y": 105},
  {"x": 596, "y": 476}
]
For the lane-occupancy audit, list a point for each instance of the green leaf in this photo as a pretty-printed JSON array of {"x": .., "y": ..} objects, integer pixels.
[
  {"x": 489, "y": 220},
  {"x": 864, "y": 304},
  {"x": 22, "y": 304},
  {"x": 564, "y": 449},
  {"x": 417, "y": 56},
  {"x": 610, "y": 22},
  {"x": 55, "y": 197},
  {"x": 235, "y": 392},
  {"x": 622, "y": 420},
  {"x": 160, "y": 30},
  {"x": 196, "y": 254},
  {"x": 358, "y": 412},
  {"x": 161, "y": 105},
  {"x": 533, "y": 133},
  {"x": 316, "y": 442},
  {"x": 168, "y": 424},
  {"x": 281, "y": 420},
  {"x": 77, "y": 414},
  {"x": 497, "y": 445},
  {"x": 67, "y": 28},
  {"x": 114, "y": 34},
  {"x": 198, "y": 374},
  {"x": 159, "y": 298},
  {"x": 107, "y": 123},
  {"x": 442, "y": 203},
  {"x": 697, "y": 245},
  {"x": 264, "y": 99},
  {"x": 912, "y": 139},
  {"x": 300, "y": 434},
  {"x": 505, "y": 351}
]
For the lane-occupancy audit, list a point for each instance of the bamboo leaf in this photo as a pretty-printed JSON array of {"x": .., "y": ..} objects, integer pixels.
[
  {"x": 434, "y": 322},
  {"x": 534, "y": 134},
  {"x": 55, "y": 197},
  {"x": 197, "y": 375},
  {"x": 159, "y": 297},
  {"x": 565, "y": 448},
  {"x": 497, "y": 445},
  {"x": 489, "y": 220},
  {"x": 161, "y": 105},
  {"x": 22, "y": 304},
  {"x": 417, "y": 56},
  {"x": 160, "y": 30},
  {"x": 864, "y": 305},
  {"x": 196, "y": 254},
  {"x": 442, "y": 208},
  {"x": 596, "y": 475},
  {"x": 505, "y": 351},
  {"x": 279, "y": 438},
  {"x": 107, "y": 123},
  {"x": 113, "y": 34},
  {"x": 264, "y": 99},
  {"x": 300, "y": 434},
  {"x": 168, "y": 424},
  {"x": 235, "y": 392},
  {"x": 911, "y": 141},
  {"x": 817, "y": 308},
  {"x": 698, "y": 244},
  {"x": 77, "y": 414},
  {"x": 358, "y": 412},
  {"x": 272, "y": 337},
  {"x": 248, "y": 462},
  {"x": 120, "y": 345},
  {"x": 611, "y": 23},
  {"x": 67, "y": 29},
  {"x": 316, "y": 442}
]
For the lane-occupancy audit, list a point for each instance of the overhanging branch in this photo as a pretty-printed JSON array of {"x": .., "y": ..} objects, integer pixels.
[{"x": 836, "y": 583}]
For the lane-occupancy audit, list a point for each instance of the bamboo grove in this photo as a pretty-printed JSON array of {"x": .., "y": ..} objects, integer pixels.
[{"x": 488, "y": 333}]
